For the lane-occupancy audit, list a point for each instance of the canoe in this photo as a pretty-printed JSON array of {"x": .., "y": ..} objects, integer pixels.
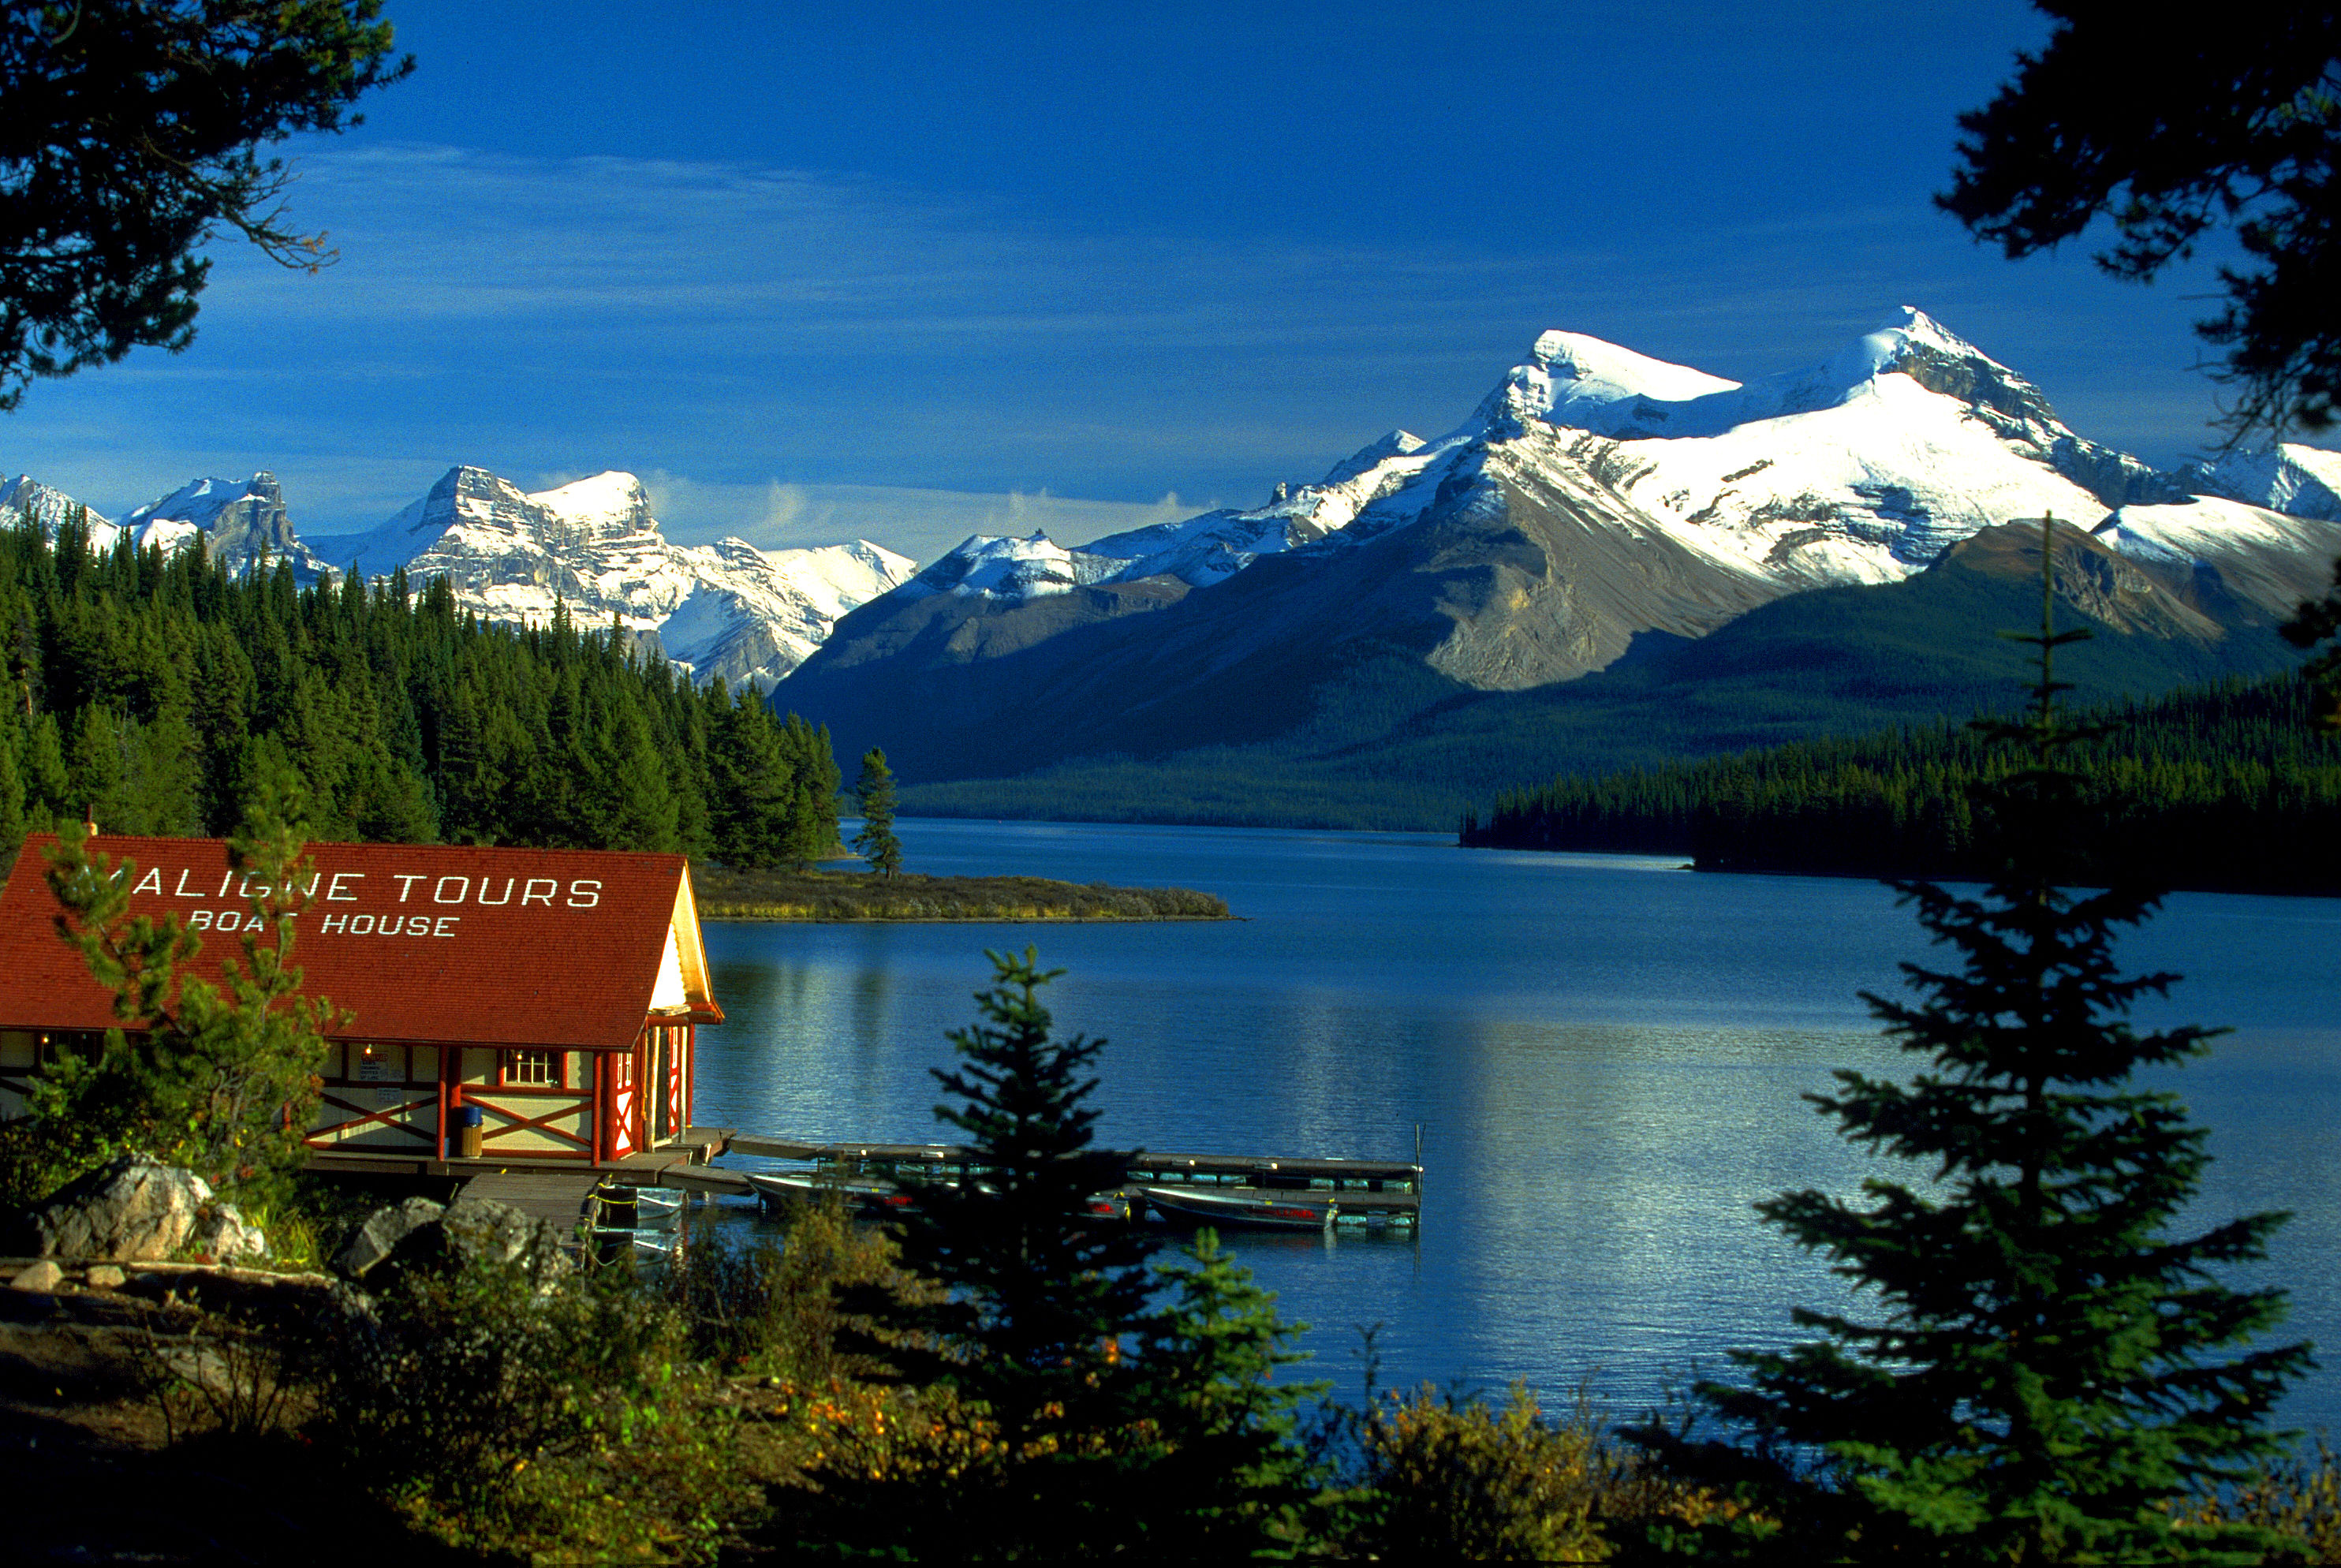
[{"x": 1249, "y": 1210}]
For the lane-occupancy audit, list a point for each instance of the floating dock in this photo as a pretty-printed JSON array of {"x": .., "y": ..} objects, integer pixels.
[
  {"x": 1354, "y": 1191},
  {"x": 1351, "y": 1192}
]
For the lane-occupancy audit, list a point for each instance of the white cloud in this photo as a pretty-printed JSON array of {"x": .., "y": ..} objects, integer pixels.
[{"x": 918, "y": 523}]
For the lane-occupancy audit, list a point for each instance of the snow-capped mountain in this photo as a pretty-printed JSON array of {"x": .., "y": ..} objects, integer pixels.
[
  {"x": 1859, "y": 469},
  {"x": 48, "y": 507},
  {"x": 726, "y": 609},
  {"x": 1594, "y": 495},
  {"x": 242, "y": 523}
]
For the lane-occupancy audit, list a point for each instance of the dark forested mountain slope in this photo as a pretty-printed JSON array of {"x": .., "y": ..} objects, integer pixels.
[{"x": 1387, "y": 747}]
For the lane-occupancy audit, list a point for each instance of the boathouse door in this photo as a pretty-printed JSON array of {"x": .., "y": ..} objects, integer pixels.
[{"x": 662, "y": 1086}]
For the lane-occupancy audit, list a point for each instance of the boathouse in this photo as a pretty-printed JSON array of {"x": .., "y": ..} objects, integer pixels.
[{"x": 552, "y": 997}]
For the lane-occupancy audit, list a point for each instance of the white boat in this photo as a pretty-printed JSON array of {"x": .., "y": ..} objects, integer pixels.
[{"x": 866, "y": 1195}]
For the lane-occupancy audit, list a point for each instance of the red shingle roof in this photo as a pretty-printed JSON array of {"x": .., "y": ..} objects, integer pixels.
[{"x": 520, "y": 947}]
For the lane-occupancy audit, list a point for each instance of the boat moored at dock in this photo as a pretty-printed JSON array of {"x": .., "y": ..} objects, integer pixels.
[{"x": 1251, "y": 1190}]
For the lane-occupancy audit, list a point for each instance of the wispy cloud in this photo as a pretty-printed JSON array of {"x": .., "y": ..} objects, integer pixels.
[{"x": 920, "y": 523}]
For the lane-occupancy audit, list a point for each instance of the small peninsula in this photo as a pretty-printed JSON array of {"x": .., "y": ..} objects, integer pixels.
[{"x": 857, "y": 895}]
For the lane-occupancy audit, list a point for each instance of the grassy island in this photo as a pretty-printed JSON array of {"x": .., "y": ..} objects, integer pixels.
[{"x": 858, "y": 896}]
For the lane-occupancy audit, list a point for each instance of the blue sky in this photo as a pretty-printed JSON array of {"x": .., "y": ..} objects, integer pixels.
[{"x": 913, "y": 272}]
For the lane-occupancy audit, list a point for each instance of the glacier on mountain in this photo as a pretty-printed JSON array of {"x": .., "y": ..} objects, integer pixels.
[{"x": 1860, "y": 469}]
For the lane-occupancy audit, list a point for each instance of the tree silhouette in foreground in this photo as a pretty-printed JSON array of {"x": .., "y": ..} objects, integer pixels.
[
  {"x": 2172, "y": 132},
  {"x": 130, "y": 134},
  {"x": 2049, "y": 1369}
]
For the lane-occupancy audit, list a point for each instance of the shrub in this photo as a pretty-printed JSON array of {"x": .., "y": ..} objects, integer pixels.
[
  {"x": 2296, "y": 1500},
  {"x": 457, "y": 1378},
  {"x": 1447, "y": 1476},
  {"x": 771, "y": 1307}
]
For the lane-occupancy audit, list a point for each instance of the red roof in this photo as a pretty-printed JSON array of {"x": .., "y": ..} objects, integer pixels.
[{"x": 423, "y": 943}]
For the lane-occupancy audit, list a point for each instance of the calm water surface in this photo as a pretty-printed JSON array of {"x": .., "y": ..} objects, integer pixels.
[{"x": 1604, "y": 1055}]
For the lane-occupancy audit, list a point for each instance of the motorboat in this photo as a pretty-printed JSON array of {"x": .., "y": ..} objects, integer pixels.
[{"x": 1247, "y": 1209}]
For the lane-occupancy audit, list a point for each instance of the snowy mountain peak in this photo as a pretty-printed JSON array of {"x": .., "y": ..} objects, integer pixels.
[
  {"x": 1004, "y": 566},
  {"x": 1374, "y": 455},
  {"x": 606, "y": 505},
  {"x": 2304, "y": 481},
  {"x": 49, "y": 507},
  {"x": 243, "y": 523}
]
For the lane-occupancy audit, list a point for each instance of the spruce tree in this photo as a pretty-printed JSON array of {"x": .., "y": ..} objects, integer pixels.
[
  {"x": 2048, "y": 1369},
  {"x": 1037, "y": 1303},
  {"x": 1090, "y": 1420},
  {"x": 221, "y": 1079},
  {"x": 873, "y": 791}
]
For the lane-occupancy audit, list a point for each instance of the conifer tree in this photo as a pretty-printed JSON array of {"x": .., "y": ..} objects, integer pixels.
[
  {"x": 223, "y": 1082},
  {"x": 1101, "y": 1424},
  {"x": 1037, "y": 1302},
  {"x": 2048, "y": 1368},
  {"x": 873, "y": 791}
]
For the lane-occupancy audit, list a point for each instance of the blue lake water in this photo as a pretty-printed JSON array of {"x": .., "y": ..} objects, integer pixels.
[{"x": 1605, "y": 1055}]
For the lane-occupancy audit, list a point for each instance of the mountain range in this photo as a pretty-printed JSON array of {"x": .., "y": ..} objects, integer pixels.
[
  {"x": 1599, "y": 520},
  {"x": 1612, "y": 559},
  {"x": 726, "y": 609}
]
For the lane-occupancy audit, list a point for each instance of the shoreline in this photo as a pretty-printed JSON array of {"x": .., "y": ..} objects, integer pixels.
[{"x": 845, "y": 897}]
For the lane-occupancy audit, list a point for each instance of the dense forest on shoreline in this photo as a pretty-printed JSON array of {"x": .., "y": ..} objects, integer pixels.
[
  {"x": 144, "y": 689},
  {"x": 2228, "y": 788}
]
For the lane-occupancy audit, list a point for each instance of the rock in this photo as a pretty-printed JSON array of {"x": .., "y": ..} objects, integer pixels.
[
  {"x": 44, "y": 1276},
  {"x": 104, "y": 1277},
  {"x": 223, "y": 1234},
  {"x": 419, "y": 1233},
  {"x": 483, "y": 1231},
  {"x": 383, "y": 1232},
  {"x": 135, "y": 1210}
]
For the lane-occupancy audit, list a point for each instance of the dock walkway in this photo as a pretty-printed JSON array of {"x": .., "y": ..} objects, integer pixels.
[{"x": 1366, "y": 1192}]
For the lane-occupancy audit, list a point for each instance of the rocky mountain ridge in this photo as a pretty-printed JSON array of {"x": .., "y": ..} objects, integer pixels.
[
  {"x": 1594, "y": 497},
  {"x": 725, "y": 610}
]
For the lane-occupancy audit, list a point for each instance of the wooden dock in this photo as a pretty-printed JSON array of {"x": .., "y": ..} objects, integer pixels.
[
  {"x": 1364, "y": 1191},
  {"x": 1361, "y": 1192}
]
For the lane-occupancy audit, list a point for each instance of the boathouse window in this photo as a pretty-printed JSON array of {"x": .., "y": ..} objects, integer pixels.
[
  {"x": 532, "y": 1070},
  {"x": 55, "y": 1046}
]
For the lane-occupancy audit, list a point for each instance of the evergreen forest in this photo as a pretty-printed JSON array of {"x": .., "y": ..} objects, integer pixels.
[
  {"x": 2232, "y": 787},
  {"x": 147, "y": 691}
]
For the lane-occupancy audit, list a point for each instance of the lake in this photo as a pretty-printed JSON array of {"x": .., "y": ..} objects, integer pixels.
[{"x": 1604, "y": 1055}]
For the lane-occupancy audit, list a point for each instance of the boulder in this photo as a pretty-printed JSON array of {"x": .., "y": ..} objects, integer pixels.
[
  {"x": 482, "y": 1230},
  {"x": 135, "y": 1210},
  {"x": 383, "y": 1232},
  {"x": 223, "y": 1234},
  {"x": 420, "y": 1233},
  {"x": 42, "y": 1275},
  {"x": 105, "y": 1277}
]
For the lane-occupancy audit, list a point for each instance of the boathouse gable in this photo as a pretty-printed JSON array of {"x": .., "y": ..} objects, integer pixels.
[{"x": 557, "y": 991}]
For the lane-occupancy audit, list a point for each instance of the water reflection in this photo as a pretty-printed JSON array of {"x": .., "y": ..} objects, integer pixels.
[{"x": 1606, "y": 1059}]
